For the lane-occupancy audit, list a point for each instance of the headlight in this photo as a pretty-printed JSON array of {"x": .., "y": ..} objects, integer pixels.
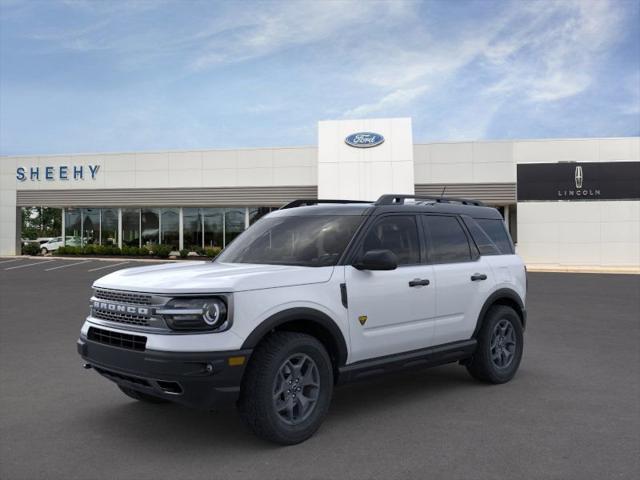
[{"x": 196, "y": 314}]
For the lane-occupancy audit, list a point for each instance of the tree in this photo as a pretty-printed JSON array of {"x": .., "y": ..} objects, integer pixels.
[{"x": 41, "y": 222}]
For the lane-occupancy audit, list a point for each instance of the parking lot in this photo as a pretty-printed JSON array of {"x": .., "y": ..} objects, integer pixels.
[{"x": 572, "y": 411}]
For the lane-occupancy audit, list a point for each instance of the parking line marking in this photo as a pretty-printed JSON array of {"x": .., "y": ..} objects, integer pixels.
[
  {"x": 30, "y": 265},
  {"x": 9, "y": 261},
  {"x": 68, "y": 265},
  {"x": 107, "y": 266}
]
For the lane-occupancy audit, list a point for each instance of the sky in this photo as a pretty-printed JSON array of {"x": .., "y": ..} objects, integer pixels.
[{"x": 111, "y": 76}]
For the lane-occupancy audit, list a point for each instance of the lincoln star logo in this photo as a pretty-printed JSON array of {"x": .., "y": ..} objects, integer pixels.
[
  {"x": 579, "y": 177},
  {"x": 117, "y": 308},
  {"x": 364, "y": 139}
]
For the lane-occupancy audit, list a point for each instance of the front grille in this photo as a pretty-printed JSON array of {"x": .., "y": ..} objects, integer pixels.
[
  {"x": 117, "y": 339},
  {"x": 128, "y": 318},
  {"x": 123, "y": 297}
]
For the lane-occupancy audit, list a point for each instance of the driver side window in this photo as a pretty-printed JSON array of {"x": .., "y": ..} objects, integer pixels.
[{"x": 397, "y": 233}]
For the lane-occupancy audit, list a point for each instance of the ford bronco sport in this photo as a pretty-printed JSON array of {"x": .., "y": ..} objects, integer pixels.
[{"x": 318, "y": 293}]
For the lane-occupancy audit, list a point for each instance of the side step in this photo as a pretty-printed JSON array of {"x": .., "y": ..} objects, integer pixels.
[{"x": 425, "y": 357}]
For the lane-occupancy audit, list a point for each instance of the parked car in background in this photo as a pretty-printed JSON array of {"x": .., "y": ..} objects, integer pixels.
[{"x": 56, "y": 242}]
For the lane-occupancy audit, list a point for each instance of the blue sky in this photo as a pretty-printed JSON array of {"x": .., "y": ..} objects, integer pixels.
[{"x": 85, "y": 76}]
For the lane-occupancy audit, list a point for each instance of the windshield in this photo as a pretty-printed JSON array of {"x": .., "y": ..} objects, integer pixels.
[{"x": 311, "y": 241}]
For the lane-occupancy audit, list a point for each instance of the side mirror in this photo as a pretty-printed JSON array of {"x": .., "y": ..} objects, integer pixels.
[{"x": 377, "y": 260}]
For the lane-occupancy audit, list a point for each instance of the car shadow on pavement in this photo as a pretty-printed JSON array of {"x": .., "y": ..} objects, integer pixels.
[{"x": 161, "y": 426}]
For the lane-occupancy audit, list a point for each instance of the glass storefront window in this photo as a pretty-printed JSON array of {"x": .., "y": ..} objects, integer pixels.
[
  {"x": 150, "y": 226},
  {"x": 72, "y": 226},
  {"x": 90, "y": 226},
  {"x": 213, "y": 227},
  {"x": 131, "y": 227},
  {"x": 233, "y": 223},
  {"x": 109, "y": 227},
  {"x": 170, "y": 227},
  {"x": 192, "y": 228},
  {"x": 256, "y": 213}
]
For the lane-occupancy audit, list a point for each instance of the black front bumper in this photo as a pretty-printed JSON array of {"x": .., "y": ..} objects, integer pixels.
[{"x": 195, "y": 379}]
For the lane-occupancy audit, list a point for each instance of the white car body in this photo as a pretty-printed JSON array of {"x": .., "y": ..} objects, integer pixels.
[
  {"x": 311, "y": 297},
  {"x": 399, "y": 319}
]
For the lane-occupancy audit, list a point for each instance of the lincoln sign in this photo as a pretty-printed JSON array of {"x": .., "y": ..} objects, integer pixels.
[{"x": 576, "y": 181}]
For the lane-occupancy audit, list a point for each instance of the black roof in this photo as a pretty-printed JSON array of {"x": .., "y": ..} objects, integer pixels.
[{"x": 390, "y": 204}]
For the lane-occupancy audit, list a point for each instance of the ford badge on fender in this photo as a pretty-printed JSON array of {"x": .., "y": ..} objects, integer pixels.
[{"x": 364, "y": 139}]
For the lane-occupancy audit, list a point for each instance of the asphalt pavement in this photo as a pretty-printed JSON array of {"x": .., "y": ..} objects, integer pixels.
[{"x": 572, "y": 411}]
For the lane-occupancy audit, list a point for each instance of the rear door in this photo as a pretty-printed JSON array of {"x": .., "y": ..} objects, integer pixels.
[
  {"x": 391, "y": 311},
  {"x": 462, "y": 277}
]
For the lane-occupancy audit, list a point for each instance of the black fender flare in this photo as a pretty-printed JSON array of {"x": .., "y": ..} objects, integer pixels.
[
  {"x": 502, "y": 296},
  {"x": 305, "y": 314}
]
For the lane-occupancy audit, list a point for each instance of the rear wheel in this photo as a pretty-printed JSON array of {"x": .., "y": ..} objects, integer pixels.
[
  {"x": 500, "y": 346},
  {"x": 143, "y": 397},
  {"x": 44, "y": 251},
  {"x": 287, "y": 388}
]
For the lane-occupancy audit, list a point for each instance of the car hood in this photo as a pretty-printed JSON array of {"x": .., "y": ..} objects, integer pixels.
[{"x": 211, "y": 277}]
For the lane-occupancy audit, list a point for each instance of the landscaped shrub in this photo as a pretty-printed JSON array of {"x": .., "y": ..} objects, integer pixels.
[
  {"x": 88, "y": 250},
  {"x": 212, "y": 252},
  {"x": 112, "y": 250},
  {"x": 183, "y": 253},
  {"x": 31, "y": 249},
  {"x": 68, "y": 250},
  {"x": 162, "y": 251}
]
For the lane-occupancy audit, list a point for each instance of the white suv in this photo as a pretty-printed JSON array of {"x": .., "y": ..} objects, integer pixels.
[{"x": 312, "y": 295}]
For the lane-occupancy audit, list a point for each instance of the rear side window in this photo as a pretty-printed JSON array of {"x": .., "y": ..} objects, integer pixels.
[
  {"x": 397, "y": 233},
  {"x": 497, "y": 232},
  {"x": 485, "y": 245},
  {"x": 447, "y": 241}
]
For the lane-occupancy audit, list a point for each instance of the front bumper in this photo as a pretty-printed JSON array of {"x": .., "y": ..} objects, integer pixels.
[{"x": 195, "y": 379}]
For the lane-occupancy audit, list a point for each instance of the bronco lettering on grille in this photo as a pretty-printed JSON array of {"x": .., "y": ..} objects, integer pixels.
[{"x": 114, "y": 307}]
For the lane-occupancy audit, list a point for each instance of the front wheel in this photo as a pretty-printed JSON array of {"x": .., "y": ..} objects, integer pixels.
[
  {"x": 500, "y": 344},
  {"x": 44, "y": 251},
  {"x": 287, "y": 388}
]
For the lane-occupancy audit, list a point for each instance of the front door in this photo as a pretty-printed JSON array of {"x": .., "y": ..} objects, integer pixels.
[{"x": 391, "y": 311}]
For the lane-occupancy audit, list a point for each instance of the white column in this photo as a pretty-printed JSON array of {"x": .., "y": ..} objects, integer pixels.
[
  {"x": 139, "y": 228},
  {"x": 119, "y": 228},
  {"x": 64, "y": 227},
  {"x": 246, "y": 218},
  {"x": 180, "y": 230},
  {"x": 506, "y": 216}
]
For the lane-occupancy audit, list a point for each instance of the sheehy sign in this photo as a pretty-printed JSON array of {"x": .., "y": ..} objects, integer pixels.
[
  {"x": 575, "y": 181},
  {"x": 61, "y": 172}
]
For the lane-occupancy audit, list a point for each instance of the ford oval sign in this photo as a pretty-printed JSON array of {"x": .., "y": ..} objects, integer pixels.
[{"x": 364, "y": 139}]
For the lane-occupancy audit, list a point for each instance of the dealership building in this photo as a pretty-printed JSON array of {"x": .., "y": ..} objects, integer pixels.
[{"x": 566, "y": 202}]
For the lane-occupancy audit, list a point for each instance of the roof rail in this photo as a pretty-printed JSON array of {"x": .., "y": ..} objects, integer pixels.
[
  {"x": 315, "y": 201},
  {"x": 391, "y": 199}
]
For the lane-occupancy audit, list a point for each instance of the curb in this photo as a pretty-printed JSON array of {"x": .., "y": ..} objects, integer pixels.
[{"x": 581, "y": 269}]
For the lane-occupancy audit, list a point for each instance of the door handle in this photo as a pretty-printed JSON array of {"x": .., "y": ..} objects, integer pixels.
[
  {"x": 478, "y": 276},
  {"x": 418, "y": 282}
]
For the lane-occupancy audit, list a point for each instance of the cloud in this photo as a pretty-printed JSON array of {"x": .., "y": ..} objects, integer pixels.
[
  {"x": 537, "y": 52},
  {"x": 272, "y": 27},
  {"x": 397, "y": 98}
]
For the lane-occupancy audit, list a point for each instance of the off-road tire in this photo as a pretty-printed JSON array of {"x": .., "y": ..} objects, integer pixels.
[
  {"x": 482, "y": 365},
  {"x": 256, "y": 402},
  {"x": 143, "y": 397}
]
